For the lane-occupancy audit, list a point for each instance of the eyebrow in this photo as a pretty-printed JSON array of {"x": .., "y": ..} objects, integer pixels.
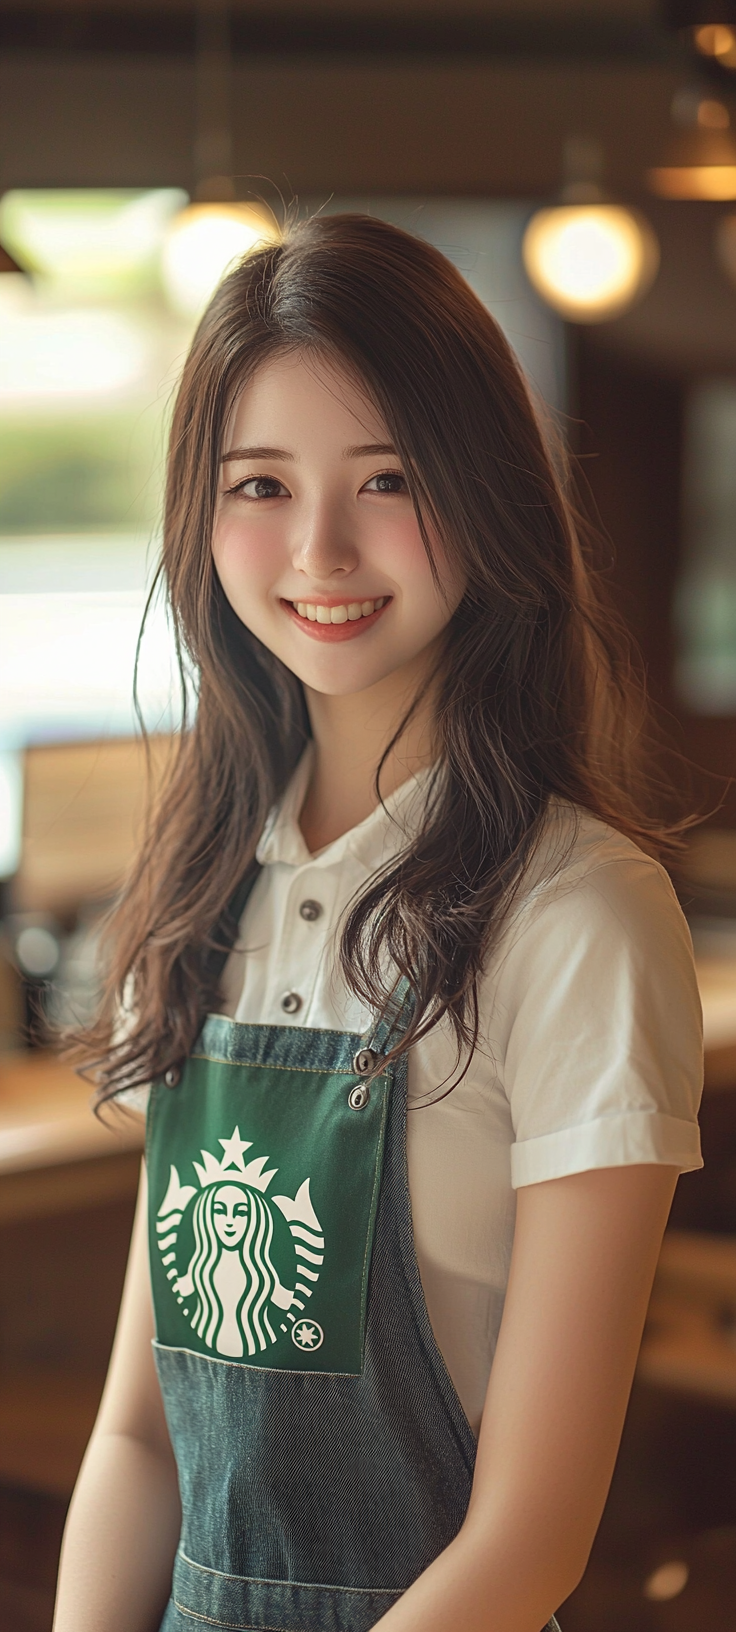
[
  {"x": 367, "y": 450},
  {"x": 257, "y": 453}
]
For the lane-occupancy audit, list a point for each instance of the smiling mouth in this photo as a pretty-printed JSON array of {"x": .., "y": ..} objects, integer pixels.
[
  {"x": 339, "y": 620},
  {"x": 343, "y": 612}
]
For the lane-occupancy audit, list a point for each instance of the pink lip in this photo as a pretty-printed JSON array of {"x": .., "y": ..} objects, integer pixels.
[{"x": 335, "y": 631}]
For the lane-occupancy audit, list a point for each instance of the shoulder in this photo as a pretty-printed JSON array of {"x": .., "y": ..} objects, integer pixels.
[
  {"x": 596, "y": 946},
  {"x": 586, "y": 878}
]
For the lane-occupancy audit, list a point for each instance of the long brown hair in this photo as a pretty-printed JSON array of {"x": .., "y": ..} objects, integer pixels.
[{"x": 534, "y": 697}]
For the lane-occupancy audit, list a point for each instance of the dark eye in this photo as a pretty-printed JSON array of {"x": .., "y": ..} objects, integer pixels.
[
  {"x": 261, "y": 487},
  {"x": 389, "y": 481}
]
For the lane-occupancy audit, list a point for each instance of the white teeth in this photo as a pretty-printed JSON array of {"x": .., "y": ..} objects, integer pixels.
[{"x": 338, "y": 614}]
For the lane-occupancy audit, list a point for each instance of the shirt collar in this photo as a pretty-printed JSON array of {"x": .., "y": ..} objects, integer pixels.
[{"x": 388, "y": 828}]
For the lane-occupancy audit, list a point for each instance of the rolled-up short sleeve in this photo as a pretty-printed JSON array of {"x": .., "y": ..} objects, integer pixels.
[{"x": 603, "y": 1028}]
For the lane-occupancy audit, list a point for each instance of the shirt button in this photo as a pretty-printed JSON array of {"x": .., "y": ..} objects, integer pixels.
[
  {"x": 291, "y": 1002},
  {"x": 310, "y": 910}
]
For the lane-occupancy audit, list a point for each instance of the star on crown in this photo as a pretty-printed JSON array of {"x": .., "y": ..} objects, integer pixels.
[{"x": 213, "y": 1170}]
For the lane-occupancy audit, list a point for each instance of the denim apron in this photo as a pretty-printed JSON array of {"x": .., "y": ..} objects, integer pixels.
[{"x": 324, "y": 1457}]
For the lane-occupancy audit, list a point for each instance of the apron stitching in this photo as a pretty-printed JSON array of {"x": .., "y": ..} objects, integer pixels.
[
  {"x": 267, "y": 1065},
  {"x": 271, "y": 1581},
  {"x": 370, "y": 1237},
  {"x": 235, "y": 1626},
  {"x": 271, "y": 1371},
  {"x": 276, "y": 1025}
]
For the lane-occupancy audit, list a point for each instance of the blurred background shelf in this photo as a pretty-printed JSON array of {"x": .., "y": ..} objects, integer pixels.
[{"x": 690, "y": 1340}]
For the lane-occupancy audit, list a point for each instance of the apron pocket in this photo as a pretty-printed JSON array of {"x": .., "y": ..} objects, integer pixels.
[{"x": 240, "y": 1603}]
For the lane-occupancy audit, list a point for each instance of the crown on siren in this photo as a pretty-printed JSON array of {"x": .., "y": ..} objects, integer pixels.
[{"x": 214, "y": 1170}]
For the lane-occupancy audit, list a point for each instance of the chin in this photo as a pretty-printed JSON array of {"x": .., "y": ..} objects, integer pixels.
[
  {"x": 344, "y": 680},
  {"x": 340, "y": 686}
]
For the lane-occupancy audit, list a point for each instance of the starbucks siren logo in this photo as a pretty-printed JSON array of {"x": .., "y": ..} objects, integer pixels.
[{"x": 231, "y": 1292}]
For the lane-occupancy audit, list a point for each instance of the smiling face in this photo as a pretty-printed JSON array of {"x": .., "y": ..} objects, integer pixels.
[
  {"x": 316, "y": 541},
  {"x": 230, "y": 1213}
]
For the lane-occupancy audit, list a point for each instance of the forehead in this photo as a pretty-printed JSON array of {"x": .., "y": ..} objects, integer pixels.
[
  {"x": 294, "y": 395},
  {"x": 230, "y": 1193}
]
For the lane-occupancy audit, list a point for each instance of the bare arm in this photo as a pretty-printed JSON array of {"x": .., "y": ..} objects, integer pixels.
[
  {"x": 123, "y": 1523},
  {"x": 585, "y": 1251}
]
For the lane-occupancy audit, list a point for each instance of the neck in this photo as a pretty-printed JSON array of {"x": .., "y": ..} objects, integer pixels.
[{"x": 350, "y": 735}]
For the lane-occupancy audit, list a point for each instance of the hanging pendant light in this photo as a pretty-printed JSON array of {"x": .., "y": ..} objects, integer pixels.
[
  {"x": 717, "y": 41},
  {"x": 700, "y": 161},
  {"x": 202, "y": 243},
  {"x": 217, "y": 229},
  {"x": 588, "y": 257}
]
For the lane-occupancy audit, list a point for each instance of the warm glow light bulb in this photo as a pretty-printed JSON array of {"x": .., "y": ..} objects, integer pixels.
[
  {"x": 667, "y": 1582},
  {"x": 717, "y": 40},
  {"x": 590, "y": 261},
  {"x": 202, "y": 243}
]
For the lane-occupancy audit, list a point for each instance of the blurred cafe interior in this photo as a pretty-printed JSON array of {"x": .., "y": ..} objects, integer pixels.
[{"x": 577, "y": 160}]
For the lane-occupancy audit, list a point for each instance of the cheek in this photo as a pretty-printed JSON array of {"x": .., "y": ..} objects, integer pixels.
[
  {"x": 246, "y": 554},
  {"x": 405, "y": 556},
  {"x": 393, "y": 547}
]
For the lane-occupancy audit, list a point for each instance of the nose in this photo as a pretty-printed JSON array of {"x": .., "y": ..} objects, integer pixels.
[{"x": 324, "y": 548}]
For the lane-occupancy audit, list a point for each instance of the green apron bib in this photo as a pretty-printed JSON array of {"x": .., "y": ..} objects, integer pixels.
[{"x": 324, "y": 1458}]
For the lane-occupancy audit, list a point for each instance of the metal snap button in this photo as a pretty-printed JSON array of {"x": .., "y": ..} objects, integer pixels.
[
  {"x": 172, "y": 1077},
  {"x": 359, "y": 1096},
  {"x": 364, "y": 1061},
  {"x": 291, "y": 1002},
  {"x": 310, "y": 911}
]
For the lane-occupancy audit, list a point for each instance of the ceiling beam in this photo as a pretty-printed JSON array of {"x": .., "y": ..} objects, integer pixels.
[
  {"x": 622, "y": 35},
  {"x": 479, "y": 129}
]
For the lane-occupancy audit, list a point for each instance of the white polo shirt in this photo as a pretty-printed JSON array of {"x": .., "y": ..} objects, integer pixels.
[{"x": 590, "y": 1052}]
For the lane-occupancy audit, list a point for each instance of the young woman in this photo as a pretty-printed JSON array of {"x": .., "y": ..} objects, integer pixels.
[{"x": 391, "y": 1352}]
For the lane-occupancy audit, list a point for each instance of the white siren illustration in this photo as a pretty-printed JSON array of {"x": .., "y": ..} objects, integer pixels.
[{"x": 231, "y": 1292}]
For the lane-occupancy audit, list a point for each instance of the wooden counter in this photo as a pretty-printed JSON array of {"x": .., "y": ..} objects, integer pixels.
[
  {"x": 67, "y": 1188},
  {"x": 54, "y": 1153}
]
